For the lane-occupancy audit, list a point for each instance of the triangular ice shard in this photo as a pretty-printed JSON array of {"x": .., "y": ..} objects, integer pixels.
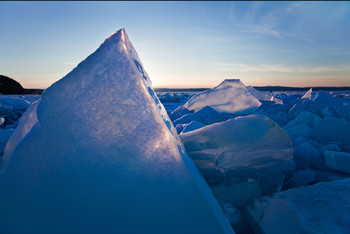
[
  {"x": 105, "y": 158},
  {"x": 230, "y": 96},
  {"x": 307, "y": 95}
]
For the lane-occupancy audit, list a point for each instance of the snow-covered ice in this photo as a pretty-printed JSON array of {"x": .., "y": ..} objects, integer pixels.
[
  {"x": 231, "y": 96},
  {"x": 104, "y": 157}
]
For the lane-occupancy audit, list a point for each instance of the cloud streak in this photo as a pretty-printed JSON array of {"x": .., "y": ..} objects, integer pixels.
[
  {"x": 240, "y": 67},
  {"x": 289, "y": 21}
]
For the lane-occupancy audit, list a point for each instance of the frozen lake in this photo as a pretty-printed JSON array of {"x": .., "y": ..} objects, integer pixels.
[{"x": 278, "y": 148}]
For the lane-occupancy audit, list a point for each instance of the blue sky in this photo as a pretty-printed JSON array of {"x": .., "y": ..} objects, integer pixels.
[{"x": 183, "y": 44}]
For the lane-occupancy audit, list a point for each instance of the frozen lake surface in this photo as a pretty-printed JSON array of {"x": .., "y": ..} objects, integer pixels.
[{"x": 245, "y": 182}]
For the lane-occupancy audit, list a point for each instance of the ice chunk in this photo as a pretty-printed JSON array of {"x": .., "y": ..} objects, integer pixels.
[
  {"x": 319, "y": 208},
  {"x": 300, "y": 131},
  {"x": 331, "y": 147},
  {"x": 206, "y": 116},
  {"x": 339, "y": 161},
  {"x": 5, "y": 135},
  {"x": 259, "y": 95},
  {"x": 11, "y": 109},
  {"x": 180, "y": 127},
  {"x": 231, "y": 96},
  {"x": 308, "y": 153},
  {"x": 303, "y": 105},
  {"x": 307, "y": 95},
  {"x": 104, "y": 157},
  {"x": 330, "y": 130},
  {"x": 332, "y": 106},
  {"x": 239, "y": 193},
  {"x": 178, "y": 112},
  {"x": 304, "y": 117},
  {"x": 192, "y": 126},
  {"x": 172, "y": 97},
  {"x": 277, "y": 115},
  {"x": 236, "y": 217},
  {"x": 26, "y": 122},
  {"x": 300, "y": 178},
  {"x": 263, "y": 96},
  {"x": 252, "y": 146}
]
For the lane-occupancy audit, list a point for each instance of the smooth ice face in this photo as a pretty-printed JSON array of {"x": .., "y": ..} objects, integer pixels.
[
  {"x": 104, "y": 157},
  {"x": 230, "y": 96}
]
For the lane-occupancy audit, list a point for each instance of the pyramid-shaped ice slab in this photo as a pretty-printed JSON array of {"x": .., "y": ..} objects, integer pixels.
[
  {"x": 230, "y": 96},
  {"x": 104, "y": 157}
]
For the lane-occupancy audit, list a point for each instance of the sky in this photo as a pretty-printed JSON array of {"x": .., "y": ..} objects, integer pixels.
[{"x": 183, "y": 44}]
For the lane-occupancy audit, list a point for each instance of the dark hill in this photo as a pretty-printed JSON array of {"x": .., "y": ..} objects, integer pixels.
[{"x": 10, "y": 86}]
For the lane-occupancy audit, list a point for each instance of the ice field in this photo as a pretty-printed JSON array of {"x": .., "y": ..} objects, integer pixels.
[{"x": 101, "y": 151}]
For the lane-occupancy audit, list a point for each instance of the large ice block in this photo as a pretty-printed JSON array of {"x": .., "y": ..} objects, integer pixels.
[
  {"x": 252, "y": 146},
  {"x": 231, "y": 96},
  {"x": 104, "y": 157}
]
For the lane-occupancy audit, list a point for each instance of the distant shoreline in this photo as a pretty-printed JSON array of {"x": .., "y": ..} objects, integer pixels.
[{"x": 260, "y": 88}]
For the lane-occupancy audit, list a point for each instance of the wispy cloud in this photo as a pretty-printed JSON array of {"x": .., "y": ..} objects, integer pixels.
[
  {"x": 240, "y": 67},
  {"x": 261, "y": 30},
  {"x": 270, "y": 21},
  {"x": 251, "y": 14}
]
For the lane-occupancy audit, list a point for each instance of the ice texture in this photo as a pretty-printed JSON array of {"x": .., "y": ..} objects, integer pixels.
[
  {"x": 5, "y": 134},
  {"x": 263, "y": 96},
  {"x": 192, "y": 126},
  {"x": 178, "y": 112},
  {"x": 339, "y": 161},
  {"x": 11, "y": 109},
  {"x": 231, "y": 96},
  {"x": 252, "y": 146},
  {"x": 319, "y": 208},
  {"x": 104, "y": 157},
  {"x": 205, "y": 115},
  {"x": 307, "y": 95},
  {"x": 26, "y": 122}
]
